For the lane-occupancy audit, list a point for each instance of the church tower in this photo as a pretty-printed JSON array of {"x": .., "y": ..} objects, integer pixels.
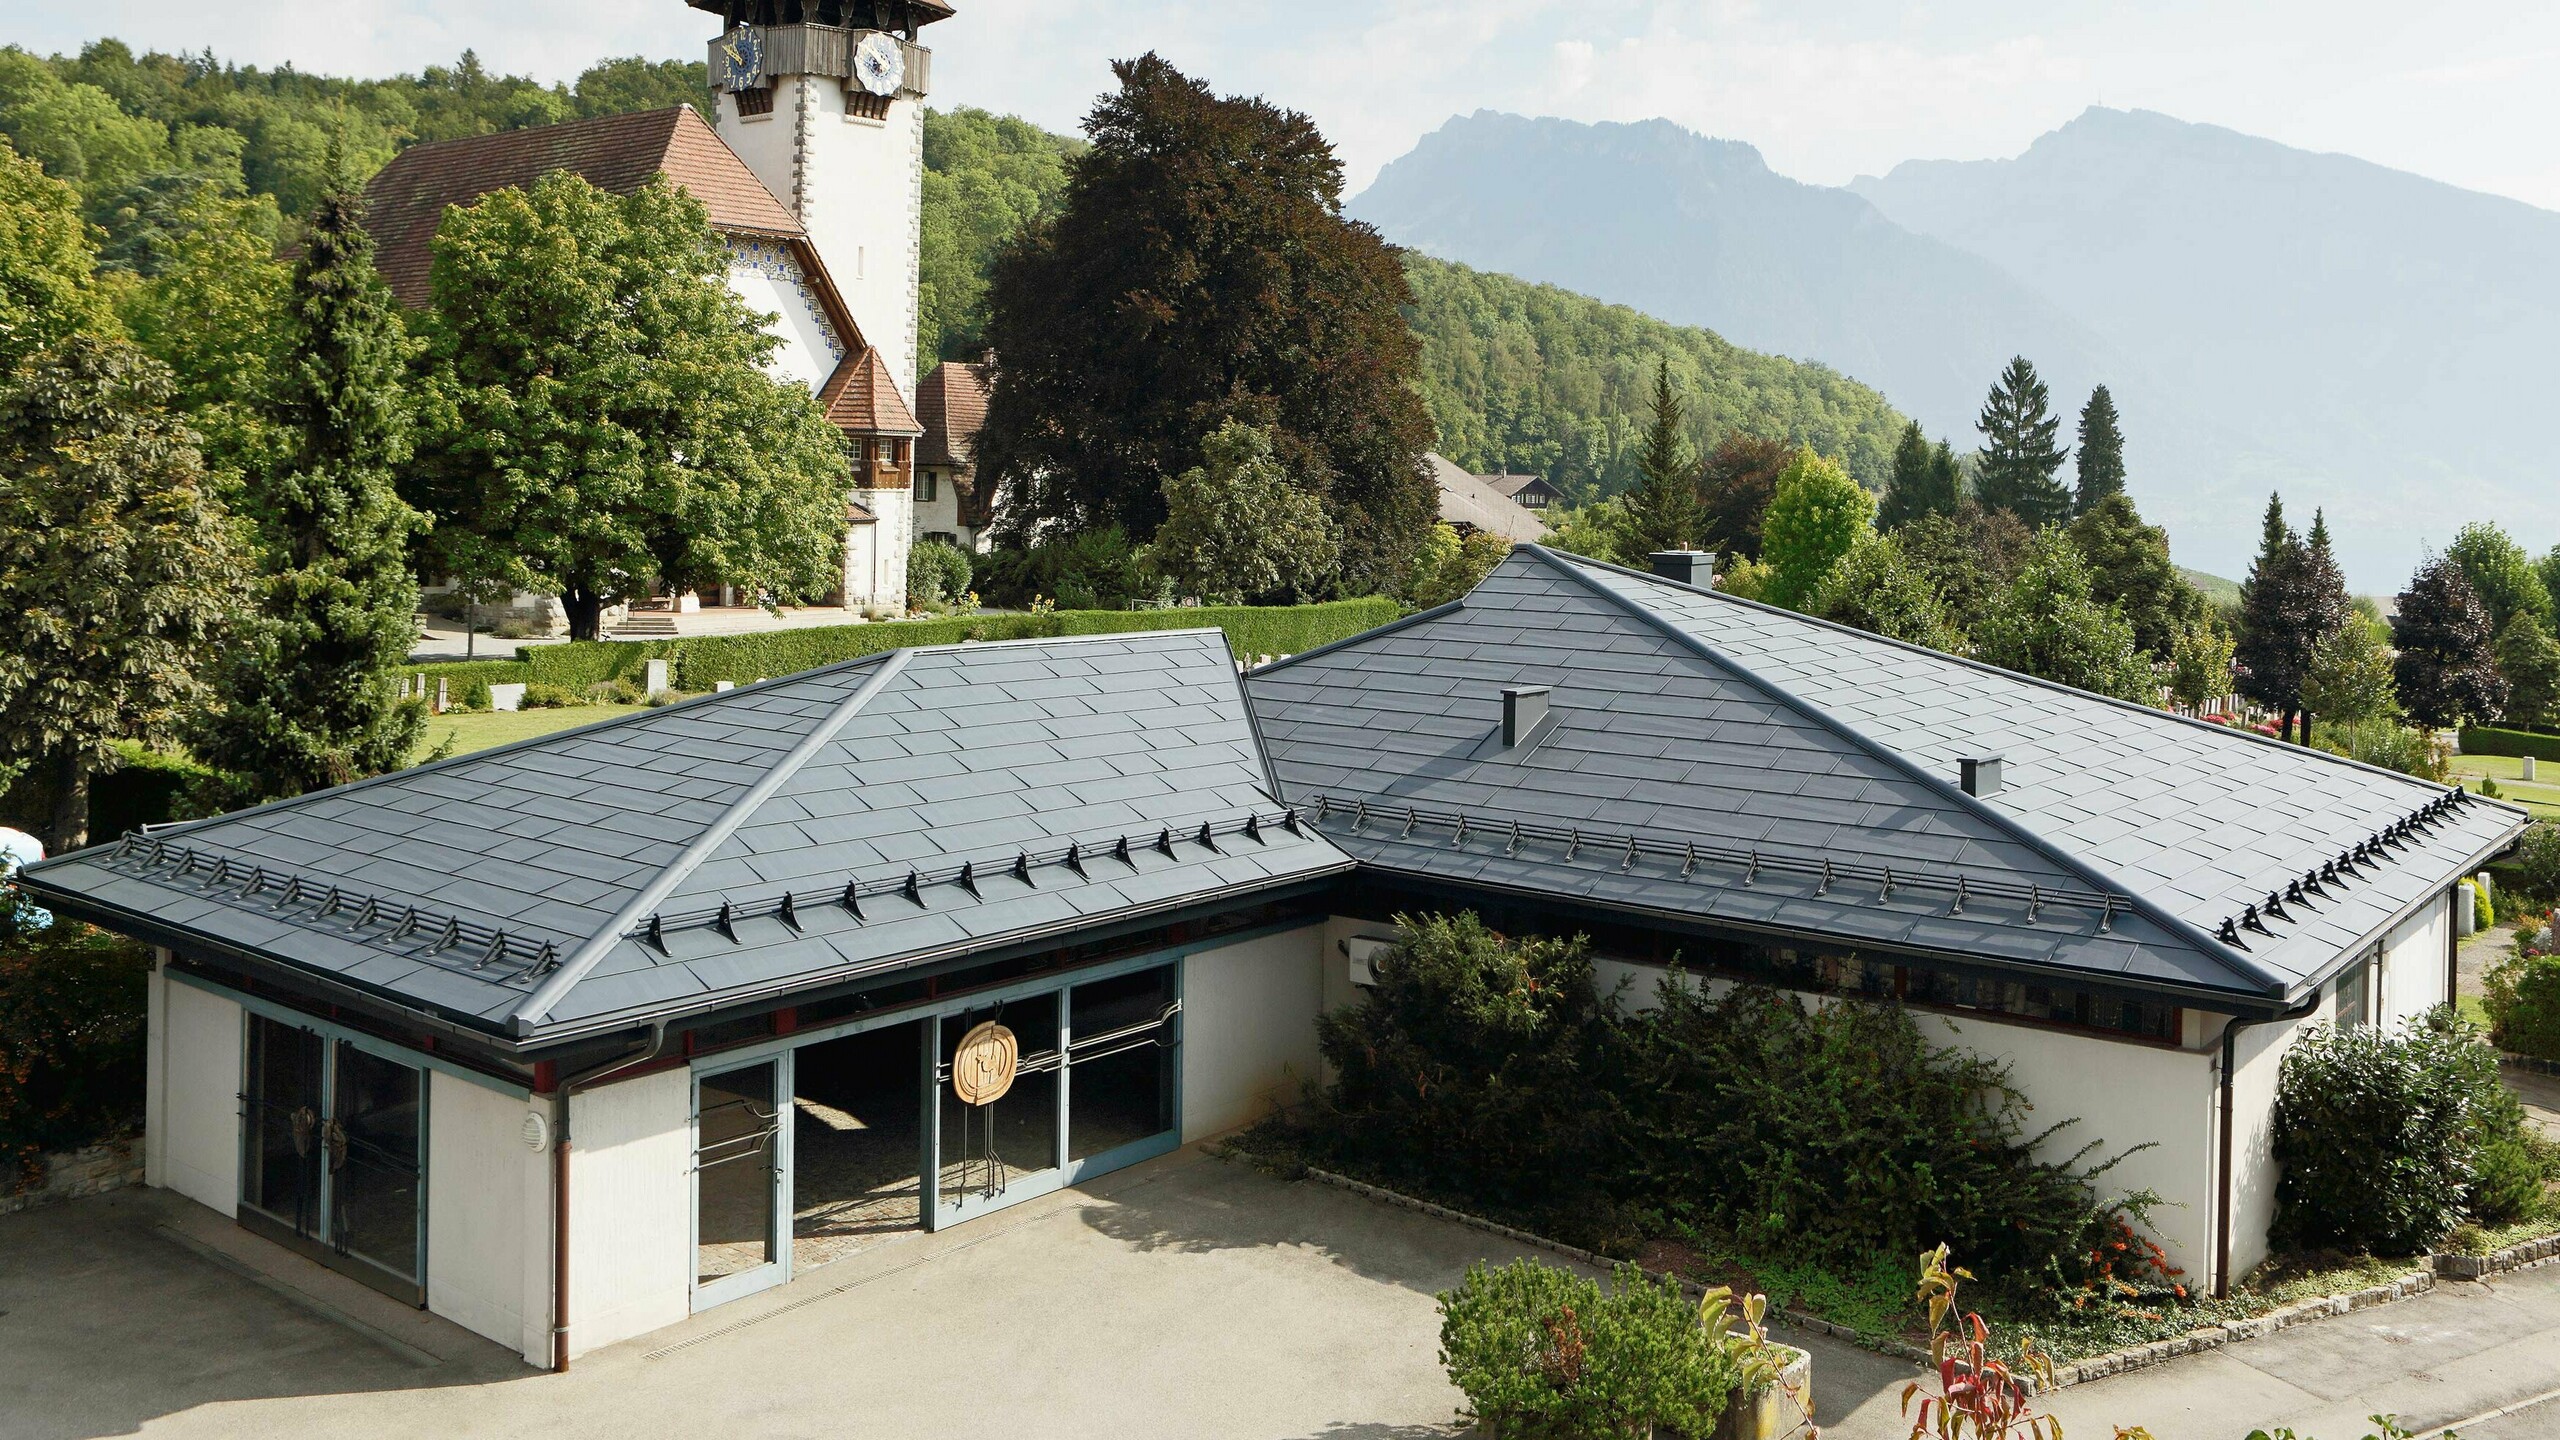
[{"x": 824, "y": 100}]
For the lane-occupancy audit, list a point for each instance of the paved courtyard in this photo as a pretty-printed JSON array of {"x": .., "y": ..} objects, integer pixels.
[{"x": 1184, "y": 1298}]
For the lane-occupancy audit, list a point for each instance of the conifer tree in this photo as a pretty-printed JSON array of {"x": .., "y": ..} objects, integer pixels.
[
  {"x": 2323, "y": 606},
  {"x": 2129, "y": 568},
  {"x": 2445, "y": 673},
  {"x": 1925, "y": 482},
  {"x": 306, "y": 693},
  {"x": 2101, "y": 455},
  {"x": 2020, "y": 461},
  {"x": 1662, "y": 509},
  {"x": 2272, "y": 655}
]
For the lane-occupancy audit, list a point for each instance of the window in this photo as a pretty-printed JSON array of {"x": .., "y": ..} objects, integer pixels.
[
  {"x": 928, "y": 486},
  {"x": 2348, "y": 1005},
  {"x": 886, "y": 452},
  {"x": 755, "y": 102}
]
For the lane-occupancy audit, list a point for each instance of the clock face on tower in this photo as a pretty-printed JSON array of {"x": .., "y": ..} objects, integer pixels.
[
  {"x": 742, "y": 58},
  {"x": 879, "y": 64}
]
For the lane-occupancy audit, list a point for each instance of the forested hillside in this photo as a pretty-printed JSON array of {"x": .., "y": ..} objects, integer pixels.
[
  {"x": 1533, "y": 378},
  {"x": 1518, "y": 376}
]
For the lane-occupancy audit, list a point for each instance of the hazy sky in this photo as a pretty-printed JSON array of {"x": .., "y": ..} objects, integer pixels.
[{"x": 1828, "y": 89}]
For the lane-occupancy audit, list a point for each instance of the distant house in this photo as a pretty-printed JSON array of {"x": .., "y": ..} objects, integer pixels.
[
  {"x": 775, "y": 264},
  {"x": 1530, "y": 492},
  {"x": 1471, "y": 504},
  {"x": 951, "y": 403}
]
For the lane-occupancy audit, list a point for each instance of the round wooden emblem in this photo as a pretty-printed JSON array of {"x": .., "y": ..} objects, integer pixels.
[{"x": 982, "y": 1068}]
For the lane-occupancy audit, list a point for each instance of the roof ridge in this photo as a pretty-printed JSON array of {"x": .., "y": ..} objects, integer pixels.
[
  {"x": 575, "y": 967},
  {"x": 1971, "y": 662},
  {"x": 2203, "y": 943}
]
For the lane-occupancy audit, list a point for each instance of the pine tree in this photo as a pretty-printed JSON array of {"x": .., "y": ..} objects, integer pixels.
[
  {"x": 1662, "y": 509},
  {"x": 1925, "y": 482},
  {"x": 2101, "y": 460},
  {"x": 2445, "y": 673},
  {"x": 2019, "y": 457},
  {"x": 2270, "y": 655},
  {"x": 2323, "y": 606},
  {"x": 307, "y": 697}
]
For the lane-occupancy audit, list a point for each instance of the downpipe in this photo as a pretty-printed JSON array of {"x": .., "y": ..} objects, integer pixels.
[{"x": 646, "y": 1052}]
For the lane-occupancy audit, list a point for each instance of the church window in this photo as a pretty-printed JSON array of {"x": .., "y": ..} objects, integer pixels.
[{"x": 928, "y": 486}]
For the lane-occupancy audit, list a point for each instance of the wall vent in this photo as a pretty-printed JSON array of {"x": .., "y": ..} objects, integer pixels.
[
  {"x": 1687, "y": 567},
  {"x": 1980, "y": 774}
]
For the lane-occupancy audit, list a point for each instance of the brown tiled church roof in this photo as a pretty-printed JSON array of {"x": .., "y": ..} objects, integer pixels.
[
  {"x": 618, "y": 153},
  {"x": 951, "y": 403},
  {"x": 860, "y": 396}
]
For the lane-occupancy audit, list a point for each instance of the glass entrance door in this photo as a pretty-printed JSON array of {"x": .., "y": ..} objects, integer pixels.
[
  {"x": 739, "y": 1160},
  {"x": 333, "y": 1157}
]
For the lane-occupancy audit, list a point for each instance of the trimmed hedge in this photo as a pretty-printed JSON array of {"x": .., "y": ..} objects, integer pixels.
[
  {"x": 703, "y": 660},
  {"x": 2491, "y": 740}
]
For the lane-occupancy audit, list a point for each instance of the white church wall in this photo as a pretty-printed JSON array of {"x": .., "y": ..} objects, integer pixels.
[{"x": 769, "y": 279}]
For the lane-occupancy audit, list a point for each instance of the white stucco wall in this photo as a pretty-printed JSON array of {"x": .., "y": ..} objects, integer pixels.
[
  {"x": 488, "y": 1216},
  {"x": 767, "y": 277},
  {"x": 858, "y": 186},
  {"x": 1248, "y": 1028},
  {"x": 876, "y": 554},
  {"x": 2413, "y": 963},
  {"x": 2259, "y": 1054},
  {"x": 194, "y": 1084},
  {"x": 630, "y": 1208}
]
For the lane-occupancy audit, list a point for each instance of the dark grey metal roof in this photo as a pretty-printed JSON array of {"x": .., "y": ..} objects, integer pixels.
[
  {"x": 970, "y": 795},
  {"x": 1710, "y": 757}
]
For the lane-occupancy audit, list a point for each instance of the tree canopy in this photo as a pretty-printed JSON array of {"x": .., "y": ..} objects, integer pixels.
[
  {"x": 2528, "y": 660},
  {"x": 1818, "y": 515},
  {"x": 1877, "y": 589},
  {"x": 1926, "y": 481},
  {"x": 1237, "y": 531},
  {"x": 986, "y": 179},
  {"x": 2444, "y": 672},
  {"x": 45, "y": 263},
  {"x": 2050, "y": 624},
  {"x": 596, "y": 416},
  {"x": 2129, "y": 569},
  {"x": 2101, "y": 453},
  {"x": 118, "y": 570},
  {"x": 1198, "y": 269},
  {"x": 2501, "y": 573}
]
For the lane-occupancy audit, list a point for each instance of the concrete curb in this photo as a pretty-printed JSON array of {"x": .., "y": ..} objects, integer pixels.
[
  {"x": 2417, "y": 1281},
  {"x": 2524, "y": 1255},
  {"x": 2527, "y": 1062}
]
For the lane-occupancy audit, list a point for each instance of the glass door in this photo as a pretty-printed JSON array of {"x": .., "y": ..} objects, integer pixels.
[
  {"x": 998, "y": 1143},
  {"x": 739, "y": 1162},
  {"x": 1121, "y": 1069},
  {"x": 333, "y": 1155}
]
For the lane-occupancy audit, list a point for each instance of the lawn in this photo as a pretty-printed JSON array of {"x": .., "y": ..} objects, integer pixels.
[
  {"x": 471, "y": 730},
  {"x": 2542, "y": 797}
]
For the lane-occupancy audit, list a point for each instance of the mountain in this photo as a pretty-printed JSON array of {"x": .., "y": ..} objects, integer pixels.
[
  {"x": 2385, "y": 332},
  {"x": 1536, "y": 379}
]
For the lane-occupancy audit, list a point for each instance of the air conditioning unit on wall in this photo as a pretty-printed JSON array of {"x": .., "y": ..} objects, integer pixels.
[{"x": 1362, "y": 952}]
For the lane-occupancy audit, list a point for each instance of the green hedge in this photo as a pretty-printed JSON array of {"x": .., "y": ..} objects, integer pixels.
[
  {"x": 2490, "y": 740},
  {"x": 701, "y": 661},
  {"x": 460, "y": 675}
]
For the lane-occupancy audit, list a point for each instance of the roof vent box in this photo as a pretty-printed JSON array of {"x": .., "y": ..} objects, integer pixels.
[
  {"x": 1980, "y": 774},
  {"x": 1524, "y": 710},
  {"x": 1695, "y": 568}
]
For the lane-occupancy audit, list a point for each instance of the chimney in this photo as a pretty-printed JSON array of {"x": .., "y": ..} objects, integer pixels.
[
  {"x": 1687, "y": 567},
  {"x": 1524, "y": 708},
  {"x": 1981, "y": 774}
]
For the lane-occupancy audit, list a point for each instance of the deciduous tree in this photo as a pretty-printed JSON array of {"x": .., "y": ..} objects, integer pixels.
[
  {"x": 118, "y": 571},
  {"x": 1236, "y": 529},
  {"x": 1199, "y": 269},
  {"x": 2129, "y": 568},
  {"x": 2101, "y": 455},
  {"x": 1735, "y": 485},
  {"x": 596, "y": 415},
  {"x": 2050, "y": 624},
  {"x": 2445, "y": 672},
  {"x": 213, "y": 314},
  {"x": 305, "y": 694},
  {"x": 1876, "y": 589},
  {"x": 1969, "y": 556},
  {"x": 1662, "y": 511},
  {"x": 2350, "y": 675},
  {"x": 2529, "y": 661},
  {"x": 2020, "y": 459},
  {"x": 2200, "y": 664},
  {"x": 1451, "y": 565},
  {"x": 46, "y": 289},
  {"x": 2501, "y": 573},
  {"x": 1925, "y": 481},
  {"x": 1818, "y": 515}
]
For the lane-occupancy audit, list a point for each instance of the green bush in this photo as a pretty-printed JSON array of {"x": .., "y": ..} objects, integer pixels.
[
  {"x": 1095, "y": 570},
  {"x": 2385, "y": 745},
  {"x": 2379, "y": 1133},
  {"x": 1540, "y": 1351},
  {"x": 538, "y": 696},
  {"x": 2522, "y": 995},
  {"x": 937, "y": 574},
  {"x": 71, "y": 1039},
  {"x": 1839, "y": 1132},
  {"x": 1482, "y": 1066},
  {"x": 2484, "y": 906},
  {"x": 2491, "y": 740},
  {"x": 2537, "y": 861},
  {"x": 460, "y": 675}
]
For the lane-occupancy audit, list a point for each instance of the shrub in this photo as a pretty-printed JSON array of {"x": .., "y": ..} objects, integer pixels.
[
  {"x": 2537, "y": 861},
  {"x": 937, "y": 574},
  {"x": 2379, "y": 1134},
  {"x": 2522, "y": 994},
  {"x": 1095, "y": 570},
  {"x": 2387, "y": 745},
  {"x": 2496, "y": 740},
  {"x": 2484, "y": 907},
  {"x": 71, "y": 1038},
  {"x": 1540, "y": 1351},
  {"x": 539, "y": 696},
  {"x": 1481, "y": 1065},
  {"x": 1840, "y": 1131}
]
